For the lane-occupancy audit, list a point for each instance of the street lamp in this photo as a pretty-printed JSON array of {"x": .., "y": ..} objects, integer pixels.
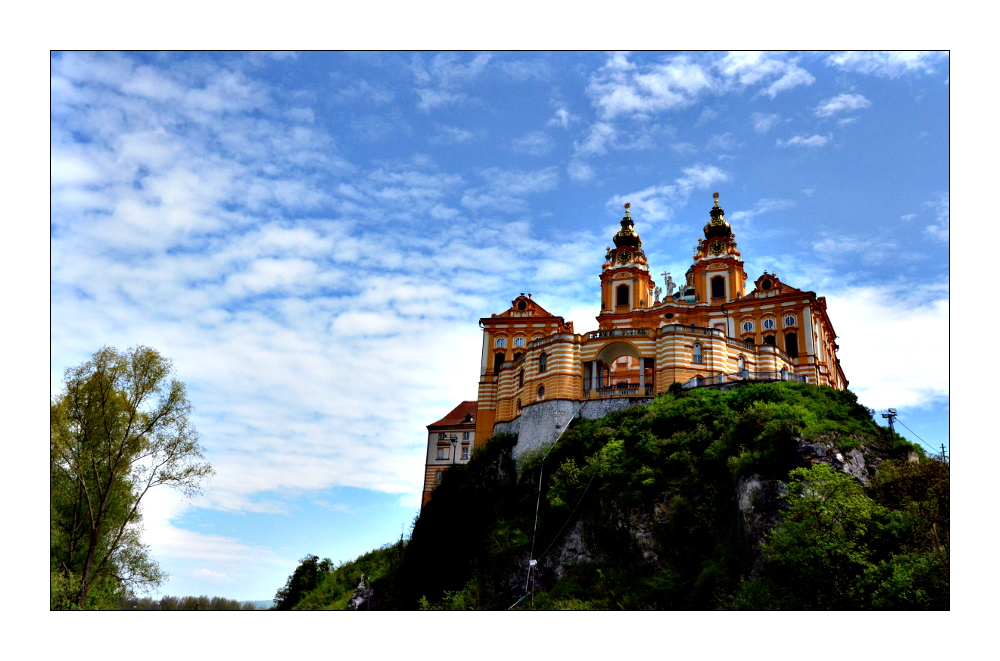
[{"x": 454, "y": 447}]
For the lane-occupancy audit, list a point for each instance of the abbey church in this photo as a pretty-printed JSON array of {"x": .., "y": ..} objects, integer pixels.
[{"x": 715, "y": 330}]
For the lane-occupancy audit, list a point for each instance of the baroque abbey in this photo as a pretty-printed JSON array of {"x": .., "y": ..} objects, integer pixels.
[{"x": 536, "y": 373}]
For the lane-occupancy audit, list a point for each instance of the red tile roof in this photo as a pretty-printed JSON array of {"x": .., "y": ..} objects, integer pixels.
[{"x": 457, "y": 417}]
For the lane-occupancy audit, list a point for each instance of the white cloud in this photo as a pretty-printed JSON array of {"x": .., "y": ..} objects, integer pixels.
[
  {"x": 563, "y": 118},
  {"x": 506, "y": 189},
  {"x": 840, "y": 103},
  {"x": 762, "y": 123},
  {"x": 657, "y": 203},
  {"x": 536, "y": 143},
  {"x": 744, "y": 69},
  {"x": 579, "y": 171},
  {"x": 939, "y": 229},
  {"x": 885, "y": 352},
  {"x": 723, "y": 142},
  {"x": 452, "y": 135},
  {"x": 621, "y": 88},
  {"x": 440, "y": 80},
  {"x": 889, "y": 64},
  {"x": 763, "y": 205},
  {"x": 803, "y": 141}
]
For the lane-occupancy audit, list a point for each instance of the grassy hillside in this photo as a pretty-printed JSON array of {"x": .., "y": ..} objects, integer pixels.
[{"x": 642, "y": 509}]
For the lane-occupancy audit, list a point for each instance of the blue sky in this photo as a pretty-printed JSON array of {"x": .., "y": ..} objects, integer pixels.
[{"x": 311, "y": 237}]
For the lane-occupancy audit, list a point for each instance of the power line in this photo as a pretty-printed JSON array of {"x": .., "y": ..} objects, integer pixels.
[{"x": 915, "y": 434}]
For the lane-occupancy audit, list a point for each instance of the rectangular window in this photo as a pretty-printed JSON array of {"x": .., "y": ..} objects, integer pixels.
[
  {"x": 465, "y": 453},
  {"x": 441, "y": 436},
  {"x": 441, "y": 453},
  {"x": 437, "y": 477},
  {"x": 465, "y": 436}
]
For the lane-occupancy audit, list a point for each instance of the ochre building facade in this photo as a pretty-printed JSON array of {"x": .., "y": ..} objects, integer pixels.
[{"x": 715, "y": 329}]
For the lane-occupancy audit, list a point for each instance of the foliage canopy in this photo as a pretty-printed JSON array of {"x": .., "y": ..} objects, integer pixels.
[{"x": 119, "y": 428}]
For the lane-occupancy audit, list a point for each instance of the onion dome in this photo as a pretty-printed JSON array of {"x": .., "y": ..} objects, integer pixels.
[
  {"x": 627, "y": 236},
  {"x": 717, "y": 227}
]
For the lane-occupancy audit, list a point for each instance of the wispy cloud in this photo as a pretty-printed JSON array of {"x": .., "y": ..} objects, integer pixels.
[
  {"x": 563, "y": 118},
  {"x": 449, "y": 135},
  {"x": 840, "y": 103},
  {"x": 762, "y": 123},
  {"x": 439, "y": 81},
  {"x": 657, "y": 203},
  {"x": 777, "y": 71},
  {"x": 763, "y": 205},
  {"x": 888, "y": 64},
  {"x": 803, "y": 141},
  {"x": 535, "y": 143},
  {"x": 939, "y": 229}
]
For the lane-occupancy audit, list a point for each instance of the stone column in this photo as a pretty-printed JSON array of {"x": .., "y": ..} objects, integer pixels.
[{"x": 642, "y": 376}]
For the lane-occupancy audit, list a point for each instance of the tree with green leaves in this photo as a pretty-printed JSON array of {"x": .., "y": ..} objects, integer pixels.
[
  {"x": 306, "y": 577},
  {"x": 119, "y": 428}
]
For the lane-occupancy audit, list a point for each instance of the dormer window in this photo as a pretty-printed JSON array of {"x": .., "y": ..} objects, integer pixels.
[
  {"x": 765, "y": 284},
  {"x": 522, "y": 305}
]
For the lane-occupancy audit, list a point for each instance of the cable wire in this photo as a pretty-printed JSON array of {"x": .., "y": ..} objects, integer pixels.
[{"x": 915, "y": 434}]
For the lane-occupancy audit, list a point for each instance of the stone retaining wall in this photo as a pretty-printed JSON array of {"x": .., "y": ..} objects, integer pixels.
[{"x": 540, "y": 423}]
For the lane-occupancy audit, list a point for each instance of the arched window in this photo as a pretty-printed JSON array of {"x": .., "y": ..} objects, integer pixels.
[
  {"x": 541, "y": 392},
  {"x": 769, "y": 339},
  {"x": 501, "y": 342},
  {"x": 518, "y": 406},
  {"x": 497, "y": 363},
  {"x": 542, "y": 362},
  {"x": 741, "y": 364},
  {"x": 622, "y": 293},
  {"x": 520, "y": 378},
  {"x": 748, "y": 326},
  {"x": 718, "y": 286},
  {"x": 748, "y": 343},
  {"x": 697, "y": 353},
  {"x": 792, "y": 344}
]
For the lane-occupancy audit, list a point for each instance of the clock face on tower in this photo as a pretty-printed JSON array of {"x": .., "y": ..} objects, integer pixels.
[
  {"x": 624, "y": 256},
  {"x": 716, "y": 247}
]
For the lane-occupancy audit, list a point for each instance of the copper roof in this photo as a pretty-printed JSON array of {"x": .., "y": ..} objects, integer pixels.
[{"x": 457, "y": 417}]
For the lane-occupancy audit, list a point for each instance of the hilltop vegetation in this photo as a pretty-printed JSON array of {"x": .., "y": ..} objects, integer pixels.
[{"x": 655, "y": 507}]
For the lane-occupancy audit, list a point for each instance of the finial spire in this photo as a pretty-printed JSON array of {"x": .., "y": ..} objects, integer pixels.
[
  {"x": 715, "y": 196},
  {"x": 627, "y": 206}
]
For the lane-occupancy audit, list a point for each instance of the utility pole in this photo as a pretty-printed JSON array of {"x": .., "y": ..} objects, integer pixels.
[
  {"x": 891, "y": 415},
  {"x": 943, "y": 455}
]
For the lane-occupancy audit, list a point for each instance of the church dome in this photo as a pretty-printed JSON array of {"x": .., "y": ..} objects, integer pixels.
[
  {"x": 626, "y": 236},
  {"x": 717, "y": 226}
]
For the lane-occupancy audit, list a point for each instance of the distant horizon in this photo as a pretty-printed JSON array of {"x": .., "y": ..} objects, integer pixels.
[{"x": 312, "y": 237}]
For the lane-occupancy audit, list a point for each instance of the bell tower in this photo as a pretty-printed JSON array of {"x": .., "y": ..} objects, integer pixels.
[
  {"x": 626, "y": 284},
  {"x": 717, "y": 273}
]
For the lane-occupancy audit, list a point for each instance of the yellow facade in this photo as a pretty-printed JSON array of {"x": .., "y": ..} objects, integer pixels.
[{"x": 712, "y": 331}]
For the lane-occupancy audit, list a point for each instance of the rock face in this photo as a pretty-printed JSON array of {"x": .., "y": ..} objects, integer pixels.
[
  {"x": 758, "y": 498},
  {"x": 823, "y": 451},
  {"x": 539, "y": 424}
]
